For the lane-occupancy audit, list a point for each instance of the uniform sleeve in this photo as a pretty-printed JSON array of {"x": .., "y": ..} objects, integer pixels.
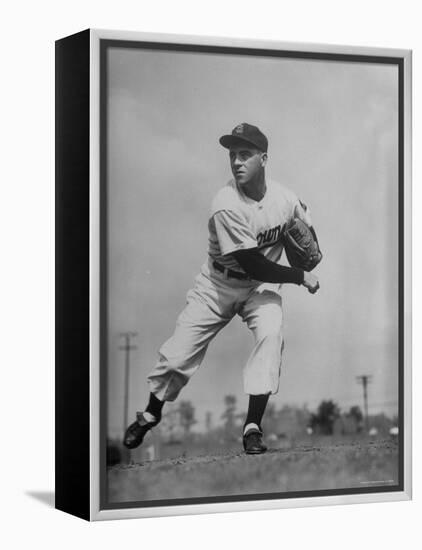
[
  {"x": 302, "y": 212},
  {"x": 261, "y": 269},
  {"x": 233, "y": 232}
]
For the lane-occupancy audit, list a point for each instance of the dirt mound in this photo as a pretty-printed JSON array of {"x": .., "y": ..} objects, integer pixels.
[{"x": 359, "y": 464}]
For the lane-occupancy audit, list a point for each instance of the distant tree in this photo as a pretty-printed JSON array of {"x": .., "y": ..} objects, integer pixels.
[
  {"x": 291, "y": 420},
  {"x": 208, "y": 421},
  {"x": 187, "y": 416},
  {"x": 114, "y": 455},
  {"x": 270, "y": 411},
  {"x": 323, "y": 420},
  {"x": 356, "y": 414},
  {"x": 170, "y": 425},
  {"x": 271, "y": 419},
  {"x": 229, "y": 414}
]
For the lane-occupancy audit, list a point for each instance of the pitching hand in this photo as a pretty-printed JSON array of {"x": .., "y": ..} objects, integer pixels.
[{"x": 311, "y": 282}]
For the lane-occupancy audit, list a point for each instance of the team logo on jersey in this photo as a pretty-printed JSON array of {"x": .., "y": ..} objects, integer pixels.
[{"x": 269, "y": 236}]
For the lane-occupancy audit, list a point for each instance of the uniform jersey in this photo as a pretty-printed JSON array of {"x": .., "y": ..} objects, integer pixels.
[{"x": 238, "y": 222}]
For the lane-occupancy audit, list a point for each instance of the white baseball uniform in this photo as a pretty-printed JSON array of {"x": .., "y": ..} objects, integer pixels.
[{"x": 236, "y": 223}]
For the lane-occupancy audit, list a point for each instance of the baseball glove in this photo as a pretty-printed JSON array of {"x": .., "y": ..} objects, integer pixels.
[{"x": 301, "y": 245}]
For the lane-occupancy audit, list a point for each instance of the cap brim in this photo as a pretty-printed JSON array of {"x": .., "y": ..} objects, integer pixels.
[{"x": 231, "y": 141}]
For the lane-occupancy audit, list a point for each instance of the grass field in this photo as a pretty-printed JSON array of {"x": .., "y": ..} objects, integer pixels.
[{"x": 328, "y": 464}]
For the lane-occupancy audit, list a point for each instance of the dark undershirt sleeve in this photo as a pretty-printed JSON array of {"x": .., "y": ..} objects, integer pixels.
[{"x": 261, "y": 269}]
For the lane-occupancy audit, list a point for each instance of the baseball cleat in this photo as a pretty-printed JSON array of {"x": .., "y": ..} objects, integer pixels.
[
  {"x": 252, "y": 442},
  {"x": 135, "y": 433}
]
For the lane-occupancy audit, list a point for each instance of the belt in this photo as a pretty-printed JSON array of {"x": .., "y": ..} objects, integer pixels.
[{"x": 230, "y": 272}]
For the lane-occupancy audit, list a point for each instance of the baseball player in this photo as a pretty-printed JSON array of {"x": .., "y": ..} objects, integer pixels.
[{"x": 241, "y": 277}]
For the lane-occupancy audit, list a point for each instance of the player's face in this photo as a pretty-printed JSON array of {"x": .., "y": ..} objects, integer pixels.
[{"x": 246, "y": 163}]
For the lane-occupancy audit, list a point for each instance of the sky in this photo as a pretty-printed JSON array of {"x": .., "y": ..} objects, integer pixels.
[{"x": 332, "y": 130}]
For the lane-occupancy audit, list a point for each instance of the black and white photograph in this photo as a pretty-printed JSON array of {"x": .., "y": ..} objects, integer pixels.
[
  {"x": 251, "y": 273},
  {"x": 210, "y": 278}
]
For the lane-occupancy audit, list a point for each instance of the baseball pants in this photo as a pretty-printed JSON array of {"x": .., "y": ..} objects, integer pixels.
[{"x": 214, "y": 300}]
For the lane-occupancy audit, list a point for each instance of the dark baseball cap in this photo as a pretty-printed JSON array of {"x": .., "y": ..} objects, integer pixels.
[{"x": 245, "y": 133}]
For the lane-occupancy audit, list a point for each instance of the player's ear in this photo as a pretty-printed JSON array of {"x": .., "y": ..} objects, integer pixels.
[{"x": 264, "y": 158}]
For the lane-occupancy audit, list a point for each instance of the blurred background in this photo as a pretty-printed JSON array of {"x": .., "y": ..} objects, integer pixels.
[{"x": 286, "y": 428}]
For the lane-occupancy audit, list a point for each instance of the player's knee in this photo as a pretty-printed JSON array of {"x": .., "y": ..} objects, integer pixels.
[
  {"x": 272, "y": 333},
  {"x": 273, "y": 340}
]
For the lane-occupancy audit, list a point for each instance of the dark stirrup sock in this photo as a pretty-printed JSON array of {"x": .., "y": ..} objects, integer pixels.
[
  {"x": 256, "y": 409},
  {"x": 154, "y": 406}
]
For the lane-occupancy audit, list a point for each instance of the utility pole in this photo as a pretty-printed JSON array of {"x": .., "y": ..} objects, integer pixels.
[
  {"x": 127, "y": 349},
  {"x": 208, "y": 421},
  {"x": 364, "y": 379}
]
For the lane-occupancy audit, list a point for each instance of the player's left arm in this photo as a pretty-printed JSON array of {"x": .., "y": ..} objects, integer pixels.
[
  {"x": 261, "y": 269},
  {"x": 303, "y": 212}
]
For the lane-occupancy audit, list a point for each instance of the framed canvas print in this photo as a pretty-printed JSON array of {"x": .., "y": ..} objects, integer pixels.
[{"x": 233, "y": 274}]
